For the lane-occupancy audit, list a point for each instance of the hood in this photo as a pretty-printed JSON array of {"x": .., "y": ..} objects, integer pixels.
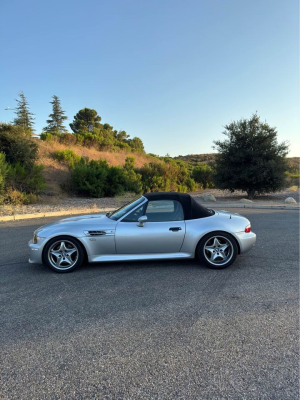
[{"x": 78, "y": 221}]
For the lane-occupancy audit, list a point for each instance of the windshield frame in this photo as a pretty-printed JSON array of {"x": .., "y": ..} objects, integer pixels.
[{"x": 128, "y": 211}]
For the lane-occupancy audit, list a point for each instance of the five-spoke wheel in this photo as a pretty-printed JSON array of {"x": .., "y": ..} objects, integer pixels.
[
  {"x": 217, "y": 250},
  {"x": 63, "y": 254}
]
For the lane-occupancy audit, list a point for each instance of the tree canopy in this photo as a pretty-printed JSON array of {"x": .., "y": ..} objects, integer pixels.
[
  {"x": 56, "y": 118},
  {"x": 24, "y": 117},
  {"x": 250, "y": 159},
  {"x": 85, "y": 121}
]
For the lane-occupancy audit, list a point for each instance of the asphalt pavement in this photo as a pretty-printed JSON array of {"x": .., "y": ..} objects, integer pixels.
[{"x": 153, "y": 330}]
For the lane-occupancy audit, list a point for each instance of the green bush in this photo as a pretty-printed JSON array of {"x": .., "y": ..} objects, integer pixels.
[
  {"x": 47, "y": 137},
  {"x": 67, "y": 156},
  {"x": 166, "y": 175},
  {"x": 68, "y": 139},
  {"x": 17, "y": 146},
  {"x": 24, "y": 180},
  {"x": 292, "y": 179},
  {"x": 21, "y": 152},
  {"x": 203, "y": 174},
  {"x": 98, "y": 179},
  {"x": 89, "y": 178},
  {"x": 4, "y": 170}
]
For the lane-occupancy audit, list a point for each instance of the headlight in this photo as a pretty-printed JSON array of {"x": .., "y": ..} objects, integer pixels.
[{"x": 35, "y": 239}]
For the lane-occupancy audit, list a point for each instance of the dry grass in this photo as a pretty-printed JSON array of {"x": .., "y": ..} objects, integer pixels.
[
  {"x": 293, "y": 188},
  {"x": 47, "y": 149},
  {"x": 57, "y": 174}
]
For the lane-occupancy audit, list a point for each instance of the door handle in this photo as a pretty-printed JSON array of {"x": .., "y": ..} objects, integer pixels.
[{"x": 175, "y": 229}]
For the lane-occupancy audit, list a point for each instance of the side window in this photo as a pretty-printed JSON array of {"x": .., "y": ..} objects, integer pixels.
[
  {"x": 164, "y": 210},
  {"x": 135, "y": 215}
]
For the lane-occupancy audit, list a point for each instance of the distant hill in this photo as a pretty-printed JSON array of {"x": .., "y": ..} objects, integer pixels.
[
  {"x": 294, "y": 162},
  {"x": 197, "y": 158}
]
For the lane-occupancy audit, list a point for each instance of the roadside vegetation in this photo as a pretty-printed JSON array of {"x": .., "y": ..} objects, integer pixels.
[{"x": 249, "y": 159}]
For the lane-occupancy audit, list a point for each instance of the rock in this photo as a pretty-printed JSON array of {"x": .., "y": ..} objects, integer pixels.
[
  {"x": 290, "y": 200},
  {"x": 207, "y": 198},
  {"x": 246, "y": 201}
]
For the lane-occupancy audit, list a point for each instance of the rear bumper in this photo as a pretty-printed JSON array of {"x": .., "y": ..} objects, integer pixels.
[
  {"x": 246, "y": 241},
  {"x": 36, "y": 251}
]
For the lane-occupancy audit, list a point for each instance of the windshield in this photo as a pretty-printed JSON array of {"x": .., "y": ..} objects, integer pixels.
[{"x": 115, "y": 215}]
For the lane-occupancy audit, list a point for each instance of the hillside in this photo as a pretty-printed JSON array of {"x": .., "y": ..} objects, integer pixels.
[
  {"x": 57, "y": 173},
  {"x": 293, "y": 162},
  {"x": 197, "y": 158}
]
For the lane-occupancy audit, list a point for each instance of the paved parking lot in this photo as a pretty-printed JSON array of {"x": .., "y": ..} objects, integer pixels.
[{"x": 153, "y": 330}]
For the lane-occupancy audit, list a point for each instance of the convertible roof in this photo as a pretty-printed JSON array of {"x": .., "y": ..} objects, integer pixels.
[{"x": 191, "y": 208}]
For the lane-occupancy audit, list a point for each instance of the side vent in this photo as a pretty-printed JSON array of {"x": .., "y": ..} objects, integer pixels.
[
  {"x": 96, "y": 233},
  {"x": 108, "y": 232}
]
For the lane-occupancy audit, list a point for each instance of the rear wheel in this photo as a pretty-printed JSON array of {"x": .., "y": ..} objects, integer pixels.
[
  {"x": 217, "y": 250},
  {"x": 63, "y": 254}
]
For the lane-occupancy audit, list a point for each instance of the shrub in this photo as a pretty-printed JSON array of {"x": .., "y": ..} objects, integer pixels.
[
  {"x": 203, "y": 174},
  {"x": 17, "y": 146},
  {"x": 4, "y": 169},
  {"x": 47, "y": 137},
  {"x": 18, "y": 198},
  {"x": 24, "y": 180},
  {"x": 21, "y": 152},
  {"x": 68, "y": 139},
  {"x": 79, "y": 139},
  {"x": 67, "y": 156},
  {"x": 97, "y": 179},
  {"x": 166, "y": 175},
  {"x": 89, "y": 178},
  {"x": 292, "y": 178}
]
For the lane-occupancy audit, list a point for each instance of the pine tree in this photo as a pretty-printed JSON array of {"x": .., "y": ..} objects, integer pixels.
[
  {"x": 56, "y": 119},
  {"x": 24, "y": 116}
]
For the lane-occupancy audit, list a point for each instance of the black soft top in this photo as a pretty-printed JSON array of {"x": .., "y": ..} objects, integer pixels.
[{"x": 191, "y": 208}]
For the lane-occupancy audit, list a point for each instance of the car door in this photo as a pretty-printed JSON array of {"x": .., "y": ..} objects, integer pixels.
[{"x": 163, "y": 232}]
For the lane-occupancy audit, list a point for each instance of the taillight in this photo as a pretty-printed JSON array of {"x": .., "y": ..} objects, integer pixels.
[{"x": 248, "y": 229}]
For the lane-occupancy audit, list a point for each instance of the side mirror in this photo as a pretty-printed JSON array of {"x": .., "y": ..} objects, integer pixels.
[{"x": 142, "y": 220}]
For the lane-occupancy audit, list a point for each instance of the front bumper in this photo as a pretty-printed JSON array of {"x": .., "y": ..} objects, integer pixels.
[
  {"x": 36, "y": 251},
  {"x": 246, "y": 241}
]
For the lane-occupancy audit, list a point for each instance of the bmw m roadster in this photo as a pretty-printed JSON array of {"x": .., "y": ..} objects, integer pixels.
[{"x": 153, "y": 226}]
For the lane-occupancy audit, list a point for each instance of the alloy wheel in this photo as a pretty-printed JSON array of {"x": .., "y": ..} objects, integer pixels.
[
  {"x": 218, "y": 250},
  {"x": 63, "y": 254}
]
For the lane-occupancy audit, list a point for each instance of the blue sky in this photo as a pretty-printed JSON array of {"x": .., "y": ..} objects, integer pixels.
[{"x": 170, "y": 72}]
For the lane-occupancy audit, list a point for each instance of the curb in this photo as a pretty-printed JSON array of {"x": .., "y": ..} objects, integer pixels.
[
  {"x": 93, "y": 211},
  {"x": 259, "y": 207},
  {"x": 53, "y": 214}
]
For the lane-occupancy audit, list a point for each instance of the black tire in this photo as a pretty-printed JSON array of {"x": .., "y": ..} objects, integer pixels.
[
  {"x": 63, "y": 258},
  {"x": 208, "y": 249}
]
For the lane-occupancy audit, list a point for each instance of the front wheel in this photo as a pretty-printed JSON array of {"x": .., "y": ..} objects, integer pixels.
[
  {"x": 217, "y": 250},
  {"x": 63, "y": 254}
]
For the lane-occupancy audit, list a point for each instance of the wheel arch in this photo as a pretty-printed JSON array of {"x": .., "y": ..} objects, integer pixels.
[
  {"x": 65, "y": 236},
  {"x": 217, "y": 231}
]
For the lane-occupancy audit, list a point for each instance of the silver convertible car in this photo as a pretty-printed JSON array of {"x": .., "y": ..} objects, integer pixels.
[{"x": 153, "y": 226}]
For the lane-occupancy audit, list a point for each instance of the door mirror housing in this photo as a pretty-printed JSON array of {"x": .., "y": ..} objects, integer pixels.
[{"x": 142, "y": 220}]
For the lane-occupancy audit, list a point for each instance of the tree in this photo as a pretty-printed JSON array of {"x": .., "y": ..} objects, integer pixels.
[
  {"x": 17, "y": 146},
  {"x": 203, "y": 174},
  {"x": 136, "y": 144},
  {"x": 4, "y": 169},
  {"x": 24, "y": 116},
  {"x": 85, "y": 121},
  {"x": 56, "y": 119},
  {"x": 250, "y": 159},
  {"x": 21, "y": 153}
]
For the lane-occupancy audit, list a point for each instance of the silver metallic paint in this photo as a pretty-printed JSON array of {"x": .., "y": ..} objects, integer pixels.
[{"x": 128, "y": 241}]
